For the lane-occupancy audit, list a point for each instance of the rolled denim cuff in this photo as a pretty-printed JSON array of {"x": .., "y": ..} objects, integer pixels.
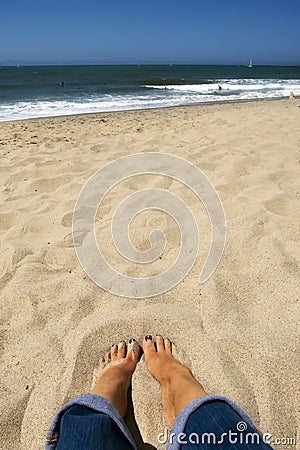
[
  {"x": 92, "y": 401},
  {"x": 182, "y": 418}
]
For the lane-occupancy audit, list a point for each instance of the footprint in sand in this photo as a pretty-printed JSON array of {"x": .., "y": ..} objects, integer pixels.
[
  {"x": 66, "y": 221},
  {"x": 276, "y": 205}
]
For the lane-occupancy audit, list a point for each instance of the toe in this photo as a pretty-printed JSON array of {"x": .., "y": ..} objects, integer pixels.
[
  {"x": 133, "y": 350},
  {"x": 159, "y": 343},
  {"x": 101, "y": 362},
  {"x": 168, "y": 345},
  {"x": 107, "y": 357},
  {"x": 121, "y": 349},
  {"x": 148, "y": 345},
  {"x": 114, "y": 352}
]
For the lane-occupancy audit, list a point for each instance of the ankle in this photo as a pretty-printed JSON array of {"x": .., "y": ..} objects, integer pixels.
[
  {"x": 171, "y": 380},
  {"x": 183, "y": 388}
]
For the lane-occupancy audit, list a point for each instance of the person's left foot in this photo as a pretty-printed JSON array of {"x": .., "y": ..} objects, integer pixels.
[{"x": 113, "y": 375}]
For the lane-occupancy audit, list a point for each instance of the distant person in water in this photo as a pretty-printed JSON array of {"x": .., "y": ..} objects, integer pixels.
[
  {"x": 95, "y": 421},
  {"x": 62, "y": 83}
]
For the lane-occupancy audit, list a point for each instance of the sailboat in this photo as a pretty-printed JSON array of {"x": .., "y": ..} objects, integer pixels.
[{"x": 250, "y": 64}]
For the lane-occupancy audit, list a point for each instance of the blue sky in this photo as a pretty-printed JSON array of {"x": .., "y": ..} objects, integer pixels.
[{"x": 160, "y": 31}]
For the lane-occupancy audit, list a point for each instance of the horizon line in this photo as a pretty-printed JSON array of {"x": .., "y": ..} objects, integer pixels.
[{"x": 29, "y": 64}]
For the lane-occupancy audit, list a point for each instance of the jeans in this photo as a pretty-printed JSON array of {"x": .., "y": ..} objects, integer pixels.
[{"x": 90, "y": 422}]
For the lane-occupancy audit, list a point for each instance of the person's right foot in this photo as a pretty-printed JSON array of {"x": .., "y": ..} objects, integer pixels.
[
  {"x": 178, "y": 385},
  {"x": 113, "y": 374}
]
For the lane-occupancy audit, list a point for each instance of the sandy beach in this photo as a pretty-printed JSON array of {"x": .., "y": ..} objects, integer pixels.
[{"x": 237, "y": 332}]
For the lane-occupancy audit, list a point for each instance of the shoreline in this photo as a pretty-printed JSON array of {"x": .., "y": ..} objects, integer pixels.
[{"x": 155, "y": 108}]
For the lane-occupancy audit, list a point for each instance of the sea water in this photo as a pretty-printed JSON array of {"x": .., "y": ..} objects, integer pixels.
[{"x": 40, "y": 91}]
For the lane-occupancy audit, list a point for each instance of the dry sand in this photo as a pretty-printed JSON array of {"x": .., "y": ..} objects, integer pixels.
[{"x": 237, "y": 332}]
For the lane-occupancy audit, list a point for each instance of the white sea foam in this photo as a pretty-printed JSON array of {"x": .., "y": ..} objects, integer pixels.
[
  {"x": 154, "y": 96},
  {"x": 234, "y": 85}
]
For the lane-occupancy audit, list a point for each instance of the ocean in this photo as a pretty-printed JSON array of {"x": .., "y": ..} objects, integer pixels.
[{"x": 41, "y": 91}]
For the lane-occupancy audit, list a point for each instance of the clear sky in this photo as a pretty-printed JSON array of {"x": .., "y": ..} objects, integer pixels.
[{"x": 156, "y": 31}]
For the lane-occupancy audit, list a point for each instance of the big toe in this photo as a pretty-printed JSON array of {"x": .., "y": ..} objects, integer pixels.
[
  {"x": 133, "y": 350},
  {"x": 148, "y": 346}
]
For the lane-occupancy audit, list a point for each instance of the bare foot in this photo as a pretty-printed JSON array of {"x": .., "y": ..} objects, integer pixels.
[
  {"x": 179, "y": 387},
  {"x": 113, "y": 375}
]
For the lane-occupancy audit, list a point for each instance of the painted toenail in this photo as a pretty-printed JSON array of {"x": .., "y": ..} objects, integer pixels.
[
  {"x": 131, "y": 340},
  {"x": 132, "y": 347},
  {"x": 148, "y": 338}
]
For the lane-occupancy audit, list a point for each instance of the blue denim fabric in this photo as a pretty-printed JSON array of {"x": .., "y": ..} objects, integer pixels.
[
  {"x": 85, "y": 429},
  {"x": 218, "y": 424},
  {"x": 98, "y": 405},
  {"x": 90, "y": 422}
]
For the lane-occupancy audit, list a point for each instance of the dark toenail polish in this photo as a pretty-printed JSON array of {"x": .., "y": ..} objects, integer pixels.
[
  {"x": 148, "y": 337},
  {"x": 131, "y": 340}
]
